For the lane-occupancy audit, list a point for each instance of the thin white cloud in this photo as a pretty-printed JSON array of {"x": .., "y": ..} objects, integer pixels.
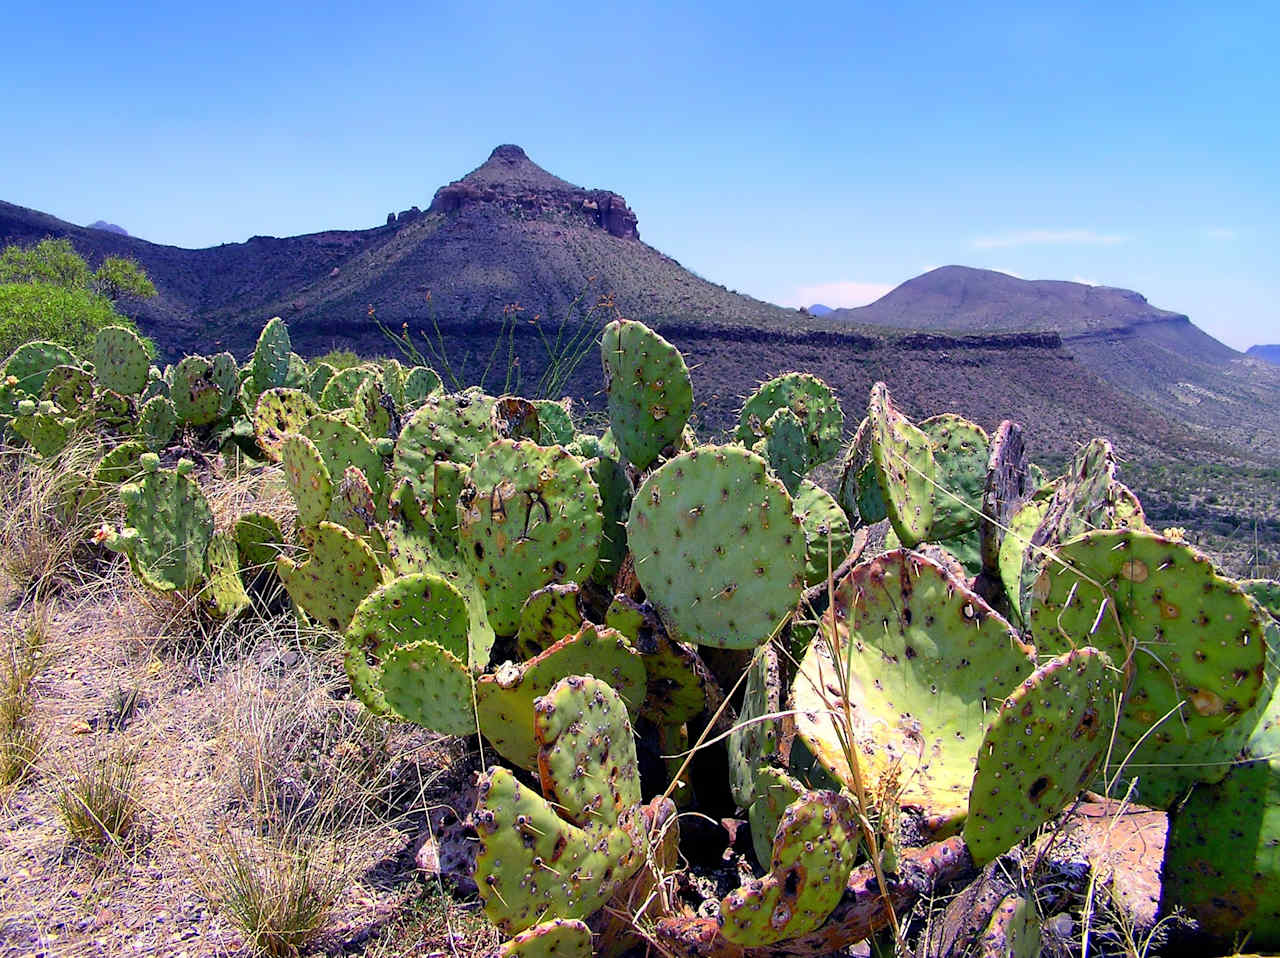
[
  {"x": 1220, "y": 233},
  {"x": 839, "y": 295},
  {"x": 1048, "y": 238}
]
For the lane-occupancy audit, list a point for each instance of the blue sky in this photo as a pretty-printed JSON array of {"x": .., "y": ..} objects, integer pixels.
[{"x": 823, "y": 152}]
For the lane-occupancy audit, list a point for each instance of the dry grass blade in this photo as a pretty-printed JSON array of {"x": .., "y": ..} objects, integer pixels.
[{"x": 21, "y": 660}]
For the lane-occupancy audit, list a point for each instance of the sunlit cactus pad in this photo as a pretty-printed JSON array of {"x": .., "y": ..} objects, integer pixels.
[
  {"x": 717, "y": 547},
  {"x": 649, "y": 391}
]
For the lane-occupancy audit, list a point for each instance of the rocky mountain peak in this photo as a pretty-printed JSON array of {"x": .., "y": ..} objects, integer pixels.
[{"x": 511, "y": 181}]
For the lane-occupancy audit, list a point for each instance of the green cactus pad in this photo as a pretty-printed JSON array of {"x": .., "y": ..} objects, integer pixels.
[
  {"x": 1013, "y": 559},
  {"x": 549, "y": 615},
  {"x": 753, "y": 743},
  {"x": 392, "y": 380},
  {"x": 224, "y": 594},
  {"x": 558, "y": 938},
  {"x": 1266, "y": 592},
  {"x": 419, "y": 383},
  {"x": 226, "y": 376},
  {"x": 813, "y": 855},
  {"x": 505, "y": 699},
  {"x": 905, "y": 468},
  {"x": 785, "y": 448},
  {"x": 429, "y": 686},
  {"x": 813, "y": 403},
  {"x": 197, "y": 400},
  {"x": 533, "y": 865},
  {"x": 827, "y": 535},
  {"x": 528, "y": 516},
  {"x": 307, "y": 478},
  {"x": 375, "y": 409},
  {"x": 775, "y": 790},
  {"x": 71, "y": 388},
  {"x": 340, "y": 571},
  {"x": 319, "y": 378},
  {"x": 342, "y": 444},
  {"x": 717, "y": 547},
  {"x": 279, "y": 413},
  {"x": 43, "y": 426},
  {"x": 615, "y": 505},
  {"x": 340, "y": 391},
  {"x": 258, "y": 542},
  {"x": 269, "y": 366},
  {"x": 157, "y": 421},
  {"x": 169, "y": 525},
  {"x": 1191, "y": 639},
  {"x": 649, "y": 390},
  {"x": 859, "y": 492},
  {"x": 1044, "y": 745},
  {"x": 31, "y": 362},
  {"x": 961, "y": 450},
  {"x": 583, "y": 766},
  {"x": 299, "y": 374},
  {"x": 354, "y": 504},
  {"x": 1012, "y": 932},
  {"x": 454, "y": 427},
  {"x": 924, "y": 660},
  {"x": 410, "y": 609},
  {"x": 120, "y": 360},
  {"x": 1008, "y": 486},
  {"x": 556, "y": 424}
]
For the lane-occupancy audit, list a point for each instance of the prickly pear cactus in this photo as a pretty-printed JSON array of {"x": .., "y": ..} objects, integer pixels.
[
  {"x": 859, "y": 491},
  {"x": 339, "y": 572},
  {"x": 534, "y": 865},
  {"x": 307, "y": 478},
  {"x": 528, "y": 516},
  {"x": 774, "y": 792},
  {"x": 555, "y": 422},
  {"x": 430, "y": 686},
  {"x": 31, "y": 362},
  {"x": 811, "y": 401},
  {"x": 279, "y": 413},
  {"x": 269, "y": 367},
  {"x": 43, "y": 426},
  {"x": 197, "y": 400},
  {"x": 961, "y": 450},
  {"x": 341, "y": 444},
  {"x": 558, "y": 938},
  {"x": 649, "y": 390},
  {"x": 913, "y": 661},
  {"x": 516, "y": 418},
  {"x": 504, "y": 699},
  {"x": 157, "y": 422},
  {"x": 1191, "y": 640},
  {"x": 258, "y": 542},
  {"x": 1046, "y": 742},
  {"x": 904, "y": 467},
  {"x": 168, "y": 526},
  {"x": 813, "y": 854},
  {"x": 224, "y": 593},
  {"x": 717, "y": 547},
  {"x": 549, "y": 615},
  {"x": 375, "y": 409},
  {"x": 407, "y": 610},
  {"x": 419, "y": 383},
  {"x": 827, "y": 535},
  {"x": 120, "y": 360},
  {"x": 784, "y": 448},
  {"x": 71, "y": 389},
  {"x": 1266, "y": 592},
  {"x": 455, "y": 427}
]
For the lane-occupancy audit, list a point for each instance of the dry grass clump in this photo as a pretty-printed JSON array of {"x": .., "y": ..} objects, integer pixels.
[
  {"x": 49, "y": 510},
  {"x": 22, "y": 658},
  {"x": 98, "y": 801}
]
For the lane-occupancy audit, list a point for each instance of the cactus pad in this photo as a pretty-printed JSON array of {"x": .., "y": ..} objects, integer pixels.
[
  {"x": 813, "y": 403},
  {"x": 258, "y": 542},
  {"x": 333, "y": 580},
  {"x": 169, "y": 526},
  {"x": 224, "y": 593},
  {"x": 31, "y": 362},
  {"x": 532, "y": 864},
  {"x": 827, "y": 535},
  {"x": 558, "y": 938},
  {"x": 1191, "y": 639},
  {"x": 649, "y": 390},
  {"x": 859, "y": 491},
  {"x": 419, "y": 383},
  {"x": 270, "y": 364},
  {"x": 157, "y": 421},
  {"x": 904, "y": 466},
  {"x": 429, "y": 686},
  {"x": 1045, "y": 743},
  {"x": 341, "y": 444},
  {"x": 961, "y": 451},
  {"x": 785, "y": 448},
  {"x": 308, "y": 479},
  {"x": 412, "y": 608},
  {"x": 555, "y": 422},
  {"x": 455, "y": 427},
  {"x": 717, "y": 547},
  {"x": 505, "y": 699},
  {"x": 549, "y": 615},
  {"x": 197, "y": 400},
  {"x": 120, "y": 360},
  {"x": 753, "y": 743},
  {"x": 341, "y": 388},
  {"x": 71, "y": 388},
  {"x": 813, "y": 855},
  {"x": 924, "y": 659},
  {"x": 516, "y": 418},
  {"x": 280, "y": 412},
  {"x": 528, "y": 516}
]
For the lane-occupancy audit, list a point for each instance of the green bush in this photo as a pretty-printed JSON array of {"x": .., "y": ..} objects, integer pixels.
[{"x": 39, "y": 311}]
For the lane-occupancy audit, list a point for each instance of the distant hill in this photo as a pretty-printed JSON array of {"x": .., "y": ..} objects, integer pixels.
[
  {"x": 1270, "y": 353},
  {"x": 1072, "y": 361},
  {"x": 108, "y": 227},
  {"x": 817, "y": 309}
]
